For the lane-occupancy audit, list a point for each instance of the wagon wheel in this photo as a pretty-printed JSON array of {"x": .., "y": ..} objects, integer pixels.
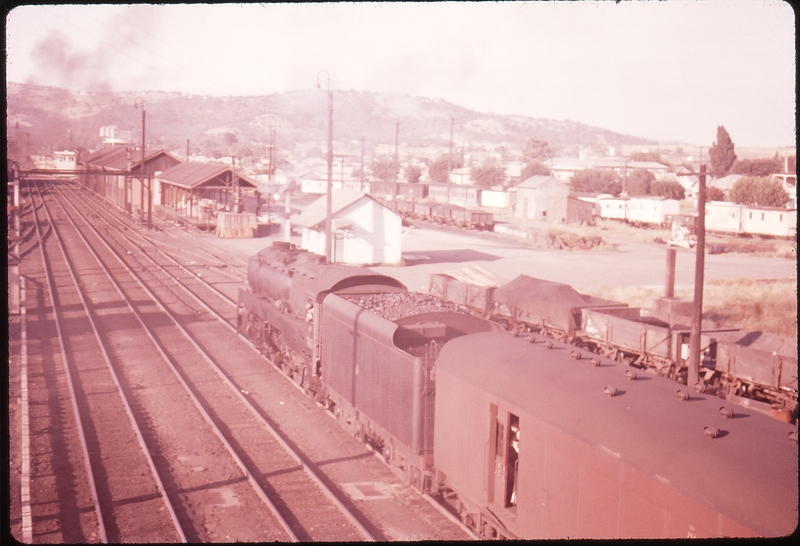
[
  {"x": 609, "y": 352},
  {"x": 622, "y": 358},
  {"x": 359, "y": 432},
  {"x": 298, "y": 375}
]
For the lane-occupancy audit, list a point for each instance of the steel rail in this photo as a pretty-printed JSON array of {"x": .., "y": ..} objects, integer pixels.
[
  {"x": 65, "y": 361},
  {"x": 259, "y": 490},
  {"x": 237, "y": 391},
  {"x": 25, "y": 421},
  {"x": 106, "y": 357},
  {"x": 194, "y": 244}
]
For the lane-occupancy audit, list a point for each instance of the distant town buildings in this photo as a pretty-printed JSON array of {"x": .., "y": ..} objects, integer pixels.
[{"x": 112, "y": 136}]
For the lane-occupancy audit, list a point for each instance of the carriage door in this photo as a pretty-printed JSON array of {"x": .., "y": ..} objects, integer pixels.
[
  {"x": 512, "y": 461},
  {"x": 504, "y": 455}
]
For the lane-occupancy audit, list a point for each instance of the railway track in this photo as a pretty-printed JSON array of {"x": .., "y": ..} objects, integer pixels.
[{"x": 200, "y": 439}]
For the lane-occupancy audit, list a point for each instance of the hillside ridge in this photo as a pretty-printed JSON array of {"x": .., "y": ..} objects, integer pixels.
[{"x": 55, "y": 118}]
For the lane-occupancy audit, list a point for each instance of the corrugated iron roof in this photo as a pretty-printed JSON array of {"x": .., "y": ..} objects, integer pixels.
[
  {"x": 314, "y": 214},
  {"x": 192, "y": 174},
  {"x": 536, "y": 181},
  {"x": 117, "y": 157}
]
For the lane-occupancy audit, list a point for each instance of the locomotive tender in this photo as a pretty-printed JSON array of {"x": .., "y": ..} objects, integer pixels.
[{"x": 523, "y": 437}]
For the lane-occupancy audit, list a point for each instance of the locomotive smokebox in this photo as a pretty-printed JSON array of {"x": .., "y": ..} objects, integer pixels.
[{"x": 270, "y": 271}]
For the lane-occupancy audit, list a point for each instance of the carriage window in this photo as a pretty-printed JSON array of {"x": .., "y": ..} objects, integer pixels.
[
  {"x": 762, "y": 215},
  {"x": 512, "y": 460}
]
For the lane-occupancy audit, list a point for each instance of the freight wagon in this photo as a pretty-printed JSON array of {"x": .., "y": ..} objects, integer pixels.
[{"x": 642, "y": 339}]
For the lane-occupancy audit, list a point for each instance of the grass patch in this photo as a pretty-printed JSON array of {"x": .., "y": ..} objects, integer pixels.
[
  {"x": 577, "y": 237},
  {"x": 752, "y": 305}
]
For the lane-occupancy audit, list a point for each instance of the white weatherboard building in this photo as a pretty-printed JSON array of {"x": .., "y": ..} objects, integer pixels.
[
  {"x": 609, "y": 206},
  {"x": 651, "y": 209},
  {"x": 364, "y": 231}
]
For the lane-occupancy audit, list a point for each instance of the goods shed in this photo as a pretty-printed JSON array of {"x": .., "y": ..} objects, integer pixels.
[
  {"x": 184, "y": 186},
  {"x": 569, "y": 209},
  {"x": 533, "y": 195},
  {"x": 114, "y": 173}
]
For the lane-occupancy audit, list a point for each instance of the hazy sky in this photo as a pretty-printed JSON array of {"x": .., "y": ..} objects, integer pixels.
[{"x": 670, "y": 70}]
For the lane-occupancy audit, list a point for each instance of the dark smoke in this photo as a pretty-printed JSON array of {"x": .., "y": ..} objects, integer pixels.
[
  {"x": 72, "y": 70},
  {"x": 120, "y": 60}
]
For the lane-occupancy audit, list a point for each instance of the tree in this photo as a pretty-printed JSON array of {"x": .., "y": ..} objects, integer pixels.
[
  {"x": 414, "y": 173},
  {"x": 596, "y": 181},
  {"x": 714, "y": 194},
  {"x": 437, "y": 171},
  {"x": 669, "y": 189},
  {"x": 488, "y": 174},
  {"x": 533, "y": 168},
  {"x": 537, "y": 150},
  {"x": 384, "y": 169},
  {"x": 229, "y": 139},
  {"x": 646, "y": 156},
  {"x": 757, "y": 167},
  {"x": 721, "y": 153},
  {"x": 759, "y": 191},
  {"x": 639, "y": 182}
]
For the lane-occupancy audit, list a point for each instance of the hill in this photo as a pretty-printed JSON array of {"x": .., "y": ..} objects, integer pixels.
[{"x": 61, "y": 119}]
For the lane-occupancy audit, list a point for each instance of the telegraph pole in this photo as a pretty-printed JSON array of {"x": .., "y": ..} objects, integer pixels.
[
  {"x": 236, "y": 196},
  {"x": 396, "y": 163},
  {"x": 450, "y": 158},
  {"x": 692, "y": 378},
  {"x": 362, "y": 163},
  {"x": 328, "y": 204},
  {"x": 141, "y": 184},
  {"x": 625, "y": 179}
]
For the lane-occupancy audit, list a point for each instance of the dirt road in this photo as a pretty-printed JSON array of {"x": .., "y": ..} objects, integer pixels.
[{"x": 428, "y": 251}]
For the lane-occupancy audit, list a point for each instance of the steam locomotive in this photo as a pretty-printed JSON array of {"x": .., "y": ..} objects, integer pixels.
[{"x": 522, "y": 436}]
